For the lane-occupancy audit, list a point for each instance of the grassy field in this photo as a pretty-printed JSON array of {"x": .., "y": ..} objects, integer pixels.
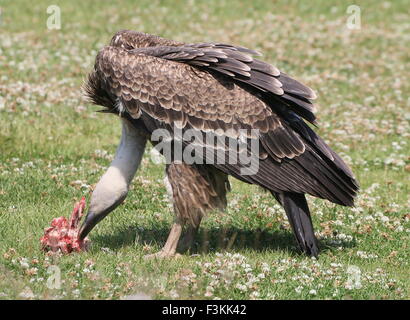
[{"x": 54, "y": 148}]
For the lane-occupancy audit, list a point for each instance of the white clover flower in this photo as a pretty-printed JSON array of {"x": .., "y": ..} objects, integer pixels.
[
  {"x": 24, "y": 263},
  {"x": 174, "y": 294},
  {"x": 335, "y": 265},
  {"x": 208, "y": 294},
  {"x": 26, "y": 293},
  {"x": 384, "y": 219},
  {"x": 299, "y": 289},
  {"x": 265, "y": 267},
  {"x": 2, "y": 103},
  {"x": 242, "y": 287},
  {"x": 210, "y": 288}
]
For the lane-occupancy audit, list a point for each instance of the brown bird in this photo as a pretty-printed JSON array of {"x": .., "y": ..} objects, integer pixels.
[{"x": 221, "y": 95}]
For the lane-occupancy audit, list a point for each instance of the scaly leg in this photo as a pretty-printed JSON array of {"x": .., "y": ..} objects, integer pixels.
[
  {"x": 187, "y": 240},
  {"x": 170, "y": 247},
  {"x": 193, "y": 191}
]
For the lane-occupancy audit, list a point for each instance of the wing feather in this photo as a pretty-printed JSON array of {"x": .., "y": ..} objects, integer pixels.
[
  {"x": 152, "y": 81},
  {"x": 238, "y": 64},
  {"x": 177, "y": 86}
]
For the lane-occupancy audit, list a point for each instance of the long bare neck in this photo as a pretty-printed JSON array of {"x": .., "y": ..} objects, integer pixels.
[{"x": 114, "y": 184}]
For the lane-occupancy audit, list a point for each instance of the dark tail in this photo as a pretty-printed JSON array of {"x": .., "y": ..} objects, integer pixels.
[{"x": 298, "y": 214}]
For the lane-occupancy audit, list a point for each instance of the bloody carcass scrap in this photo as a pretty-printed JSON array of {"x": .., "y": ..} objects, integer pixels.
[{"x": 63, "y": 234}]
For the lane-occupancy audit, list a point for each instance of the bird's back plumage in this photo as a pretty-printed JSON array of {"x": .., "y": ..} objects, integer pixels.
[{"x": 213, "y": 87}]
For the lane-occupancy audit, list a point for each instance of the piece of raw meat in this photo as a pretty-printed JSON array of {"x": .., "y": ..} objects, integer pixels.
[{"x": 63, "y": 234}]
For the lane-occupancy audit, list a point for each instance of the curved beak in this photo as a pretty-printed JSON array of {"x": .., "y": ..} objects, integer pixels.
[
  {"x": 93, "y": 218},
  {"x": 88, "y": 224}
]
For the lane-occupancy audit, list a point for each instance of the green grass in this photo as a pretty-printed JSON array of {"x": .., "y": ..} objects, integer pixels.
[{"x": 50, "y": 137}]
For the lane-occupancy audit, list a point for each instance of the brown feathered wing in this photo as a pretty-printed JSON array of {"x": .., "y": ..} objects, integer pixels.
[{"x": 221, "y": 88}]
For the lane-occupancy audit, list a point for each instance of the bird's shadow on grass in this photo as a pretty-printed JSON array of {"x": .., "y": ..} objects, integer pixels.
[{"x": 212, "y": 239}]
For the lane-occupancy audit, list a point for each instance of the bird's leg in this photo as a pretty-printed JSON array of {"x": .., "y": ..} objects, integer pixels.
[
  {"x": 170, "y": 247},
  {"x": 193, "y": 190},
  {"x": 188, "y": 238}
]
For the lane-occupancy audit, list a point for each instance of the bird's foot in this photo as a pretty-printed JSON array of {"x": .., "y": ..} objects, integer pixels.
[{"x": 162, "y": 254}]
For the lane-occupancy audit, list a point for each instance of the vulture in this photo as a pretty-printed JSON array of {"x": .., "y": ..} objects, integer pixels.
[{"x": 244, "y": 118}]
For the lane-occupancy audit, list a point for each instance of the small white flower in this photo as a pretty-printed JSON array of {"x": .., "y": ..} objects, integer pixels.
[
  {"x": 242, "y": 287},
  {"x": 24, "y": 264},
  {"x": 265, "y": 267},
  {"x": 384, "y": 219},
  {"x": 209, "y": 289},
  {"x": 26, "y": 293},
  {"x": 174, "y": 294},
  {"x": 208, "y": 294},
  {"x": 399, "y": 229},
  {"x": 298, "y": 289},
  {"x": 2, "y": 103}
]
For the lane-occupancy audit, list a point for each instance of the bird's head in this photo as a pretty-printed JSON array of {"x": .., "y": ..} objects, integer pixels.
[{"x": 109, "y": 193}]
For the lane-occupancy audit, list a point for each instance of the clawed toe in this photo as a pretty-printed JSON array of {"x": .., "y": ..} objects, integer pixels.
[{"x": 162, "y": 255}]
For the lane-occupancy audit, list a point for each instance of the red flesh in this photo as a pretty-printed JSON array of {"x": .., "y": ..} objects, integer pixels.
[{"x": 63, "y": 234}]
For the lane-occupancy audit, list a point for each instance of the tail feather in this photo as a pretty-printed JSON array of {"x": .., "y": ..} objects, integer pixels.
[{"x": 297, "y": 210}]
